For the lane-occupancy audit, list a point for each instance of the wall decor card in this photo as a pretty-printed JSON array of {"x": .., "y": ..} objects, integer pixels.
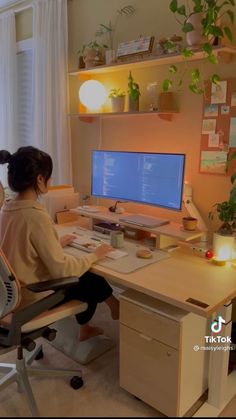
[
  {"x": 232, "y": 132},
  {"x": 213, "y": 162},
  {"x": 211, "y": 110},
  {"x": 219, "y": 92},
  {"x": 233, "y": 99},
  {"x": 208, "y": 126},
  {"x": 214, "y": 140},
  {"x": 225, "y": 110}
]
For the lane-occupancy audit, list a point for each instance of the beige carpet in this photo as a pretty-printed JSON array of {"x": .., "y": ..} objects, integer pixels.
[{"x": 101, "y": 395}]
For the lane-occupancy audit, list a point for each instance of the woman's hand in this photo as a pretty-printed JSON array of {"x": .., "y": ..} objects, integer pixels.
[
  {"x": 67, "y": 239},
  {"x": 102, "y": 250}
]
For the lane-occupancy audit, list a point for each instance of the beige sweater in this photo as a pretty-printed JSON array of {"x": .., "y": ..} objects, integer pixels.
[{"x": 31, "y": 244}]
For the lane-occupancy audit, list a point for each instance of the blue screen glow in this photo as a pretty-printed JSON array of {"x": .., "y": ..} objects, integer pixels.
[{"x": 147, "y": 178}]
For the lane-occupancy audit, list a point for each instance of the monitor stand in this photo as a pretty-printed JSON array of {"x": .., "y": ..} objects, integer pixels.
[{"x": 143, "y": 220}]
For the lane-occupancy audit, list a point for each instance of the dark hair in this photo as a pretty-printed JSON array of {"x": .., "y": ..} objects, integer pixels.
[{"x": 24, "y": 166}]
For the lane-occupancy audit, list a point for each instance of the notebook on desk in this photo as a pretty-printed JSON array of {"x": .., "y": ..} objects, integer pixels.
[{"x": 143, "y": 220}]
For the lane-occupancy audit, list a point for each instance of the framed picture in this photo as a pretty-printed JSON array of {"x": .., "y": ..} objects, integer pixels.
[{"x": 140, "y": 46}]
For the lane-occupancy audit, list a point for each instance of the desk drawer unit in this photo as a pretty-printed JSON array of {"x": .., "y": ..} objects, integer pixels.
[{"x": 157, "y": 360}]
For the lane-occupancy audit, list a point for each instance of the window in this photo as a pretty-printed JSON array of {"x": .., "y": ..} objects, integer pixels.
[{"x": 25, "y": 92}]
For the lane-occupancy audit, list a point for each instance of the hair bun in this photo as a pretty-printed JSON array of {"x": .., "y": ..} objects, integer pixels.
[{"x": 5, "y": 156}]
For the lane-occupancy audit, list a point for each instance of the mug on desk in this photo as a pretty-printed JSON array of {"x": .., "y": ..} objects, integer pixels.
[{"x": 117, "y": 239}]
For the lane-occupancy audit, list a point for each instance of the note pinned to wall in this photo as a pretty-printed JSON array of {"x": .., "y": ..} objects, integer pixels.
[
  {"x": 208, "y": 126},
  {"x": 213, "y": 162},
  {"x": 210, "y": 111},
  {"x": 214, "y": 140},
  {"x": 219, "y": 92},
  {"x": 233, "y": 99}
]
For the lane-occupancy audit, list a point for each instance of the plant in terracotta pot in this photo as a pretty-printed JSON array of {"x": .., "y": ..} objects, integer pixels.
[
  {"x": 108, "y": 30},
  {"x": 133, "y": 94},
  {"x": 93, "y": 54},
  {"x": 200, "y": 21},
  {"x": 117, "y": 97}
]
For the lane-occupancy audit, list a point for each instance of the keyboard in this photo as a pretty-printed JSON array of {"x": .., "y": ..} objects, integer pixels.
[{"x": 143, "y": 220}]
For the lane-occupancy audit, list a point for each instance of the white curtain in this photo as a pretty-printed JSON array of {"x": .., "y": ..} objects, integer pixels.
[
  {"x": 8, "y": 88},
  {"x": 51, "y": 126}
]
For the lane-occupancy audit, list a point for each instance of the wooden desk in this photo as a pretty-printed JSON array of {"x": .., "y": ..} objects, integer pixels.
[{"x": 174, "y": 281}]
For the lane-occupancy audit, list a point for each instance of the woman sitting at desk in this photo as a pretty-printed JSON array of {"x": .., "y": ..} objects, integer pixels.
[{"x": 31, "y": 244}]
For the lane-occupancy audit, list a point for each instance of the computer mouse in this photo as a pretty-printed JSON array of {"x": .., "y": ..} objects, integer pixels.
[{"x": 144, "y": 254}]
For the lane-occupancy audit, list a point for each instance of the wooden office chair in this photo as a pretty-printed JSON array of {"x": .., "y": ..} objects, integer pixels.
[{"x": 19, "y": 328}]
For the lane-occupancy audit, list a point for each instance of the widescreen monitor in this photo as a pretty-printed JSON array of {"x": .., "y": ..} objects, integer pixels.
[{"x": 146, "y": 178}]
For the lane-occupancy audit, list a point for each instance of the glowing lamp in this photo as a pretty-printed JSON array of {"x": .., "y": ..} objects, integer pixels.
[
  {"x": 92, "y": 94},
  {"x": 223, "y": 247}
]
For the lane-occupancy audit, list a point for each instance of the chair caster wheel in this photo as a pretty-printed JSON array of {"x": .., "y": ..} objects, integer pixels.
[
  {"x": 76, "y": 382},
  {"x": 40, "y": 355}
]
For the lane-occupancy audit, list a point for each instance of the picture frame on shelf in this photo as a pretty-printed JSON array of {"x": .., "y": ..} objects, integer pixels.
[{"x": 137, "y": 47}]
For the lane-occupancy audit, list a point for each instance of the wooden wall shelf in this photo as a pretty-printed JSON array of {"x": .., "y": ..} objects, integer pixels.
[
  {"x": 88, "y": 117},
  {"x": 224, "y": 53}
]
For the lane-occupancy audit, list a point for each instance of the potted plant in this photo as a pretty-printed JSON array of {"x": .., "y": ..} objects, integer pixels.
[
  {"x": 224, "y": 237},
  {"x": 93, "y": 54},
  {"x": 134, "y": 93},
  {"x": 80, "y": 53},
  {"x": 109, "y": 31},
  {"x": 201, "y": 23},
  {"x": 117, "y": 97},
  {"x": 226, "y": 210}
]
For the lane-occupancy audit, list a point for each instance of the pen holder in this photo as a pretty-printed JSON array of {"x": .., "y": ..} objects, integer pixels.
[{"x": 117, "y": 239}]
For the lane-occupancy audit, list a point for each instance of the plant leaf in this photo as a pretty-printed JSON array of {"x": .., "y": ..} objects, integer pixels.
[
  {"x": 173, "y": 69},
  {"x": 216, "y": 31},
  {"x": 207, "y": 48},
  {"x": 212, "y": 59},
  {"x": 187, "y": 52},
  {"x": 187, "y": 27},
  {"x": 228, "y": 33},
  {"x": 232, "y": 2},
  {"x": 182, "y": 10},
  {"x": 233, "y": 177},
  {"x": 195, "y": 75},
  {"x": 195, "y": 89},
  {"x": 166, "y": 85},
  {"x": 173, "y": 6},
  {"x": 215, "y": 79}
]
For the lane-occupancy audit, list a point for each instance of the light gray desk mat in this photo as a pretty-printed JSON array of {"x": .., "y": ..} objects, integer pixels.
[{"x": 125, "y": 264}]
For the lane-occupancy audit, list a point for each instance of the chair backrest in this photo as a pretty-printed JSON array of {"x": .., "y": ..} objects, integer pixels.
[{"x": 10, "y": 289}]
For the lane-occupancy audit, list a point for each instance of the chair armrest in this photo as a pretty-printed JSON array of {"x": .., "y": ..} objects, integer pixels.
[{"x": 53, "y": 284}]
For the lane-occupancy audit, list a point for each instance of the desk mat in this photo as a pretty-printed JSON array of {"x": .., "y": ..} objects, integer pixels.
[
  {"x": 126, "y": 264},
  {"x": 131, "y": 262}
]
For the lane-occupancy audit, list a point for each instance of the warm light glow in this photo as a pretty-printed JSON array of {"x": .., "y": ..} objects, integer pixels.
[
  {"x": 223, "y": 247},
  {"x": 93, "y": 95}
]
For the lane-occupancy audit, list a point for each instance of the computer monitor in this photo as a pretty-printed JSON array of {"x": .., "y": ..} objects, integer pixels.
[{"x": 146, "y": 178}]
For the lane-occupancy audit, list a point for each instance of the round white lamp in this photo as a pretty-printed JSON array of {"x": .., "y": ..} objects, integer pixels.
[{"x": 93, "y": 95}]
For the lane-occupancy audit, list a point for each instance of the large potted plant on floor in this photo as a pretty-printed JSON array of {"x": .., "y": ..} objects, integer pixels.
[
  {"x": 226, "y": 212},
  {"x": 205, "y": 23}
]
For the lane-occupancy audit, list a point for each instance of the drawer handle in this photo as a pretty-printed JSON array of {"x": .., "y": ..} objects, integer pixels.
[{"x": 145, "y": 337}]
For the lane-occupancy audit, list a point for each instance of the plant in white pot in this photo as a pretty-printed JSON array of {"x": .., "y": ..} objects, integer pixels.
[
  {"x": 117, "y": 97},
  {"x": 226, "y": 212},
  {"x": 205, "y": 23},
  {"x": 109, "y": 30}
]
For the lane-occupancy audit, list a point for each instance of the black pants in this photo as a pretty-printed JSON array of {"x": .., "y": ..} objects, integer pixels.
[{"x": 92, "y": 289}]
